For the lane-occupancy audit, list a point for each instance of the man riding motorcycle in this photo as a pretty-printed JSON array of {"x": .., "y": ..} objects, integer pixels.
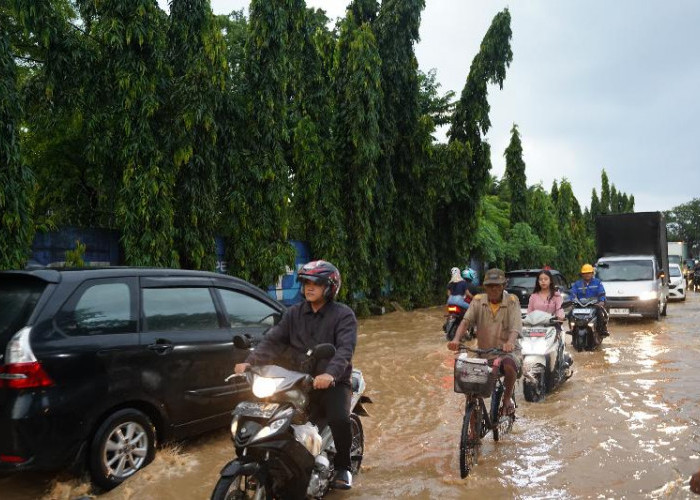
[
  {"x": 317, "y": 320},
  {"x": 590, "y": 287}
]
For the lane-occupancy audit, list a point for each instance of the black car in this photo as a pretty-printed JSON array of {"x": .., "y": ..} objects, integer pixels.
[
  {"x": 521, "y": 283},
  {"x": 99, "y": 365}
]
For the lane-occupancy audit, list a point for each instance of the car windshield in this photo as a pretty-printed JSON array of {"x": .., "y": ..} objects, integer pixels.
[
  {"x": 625, "y": 270},
  {"x": 675, "y": 271},
  {"x": 522, "y": 281},
  {"x": 675, "y": 259},
  {"x": 18, "y": 296}
]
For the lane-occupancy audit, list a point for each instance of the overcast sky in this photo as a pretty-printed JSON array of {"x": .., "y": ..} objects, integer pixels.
[{"x": 593, "y": 84}]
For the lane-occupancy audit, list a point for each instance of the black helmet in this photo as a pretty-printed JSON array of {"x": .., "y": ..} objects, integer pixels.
[{"x": 323, "y": 273}]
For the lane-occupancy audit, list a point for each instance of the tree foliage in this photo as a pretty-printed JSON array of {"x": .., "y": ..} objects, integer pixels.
[
  {"x": 515, "y": 177},
  {"x": 684, "y": 224}
]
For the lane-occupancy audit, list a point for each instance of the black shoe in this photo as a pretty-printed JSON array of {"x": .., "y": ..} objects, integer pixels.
[{"x": 342, "y": 480}]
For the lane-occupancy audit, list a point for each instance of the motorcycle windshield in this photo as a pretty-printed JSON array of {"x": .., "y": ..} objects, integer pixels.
[{"x": 291, "y": 378}]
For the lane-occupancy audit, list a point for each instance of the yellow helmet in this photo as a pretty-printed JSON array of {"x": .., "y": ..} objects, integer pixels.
[{"x": 587, "y": 268}]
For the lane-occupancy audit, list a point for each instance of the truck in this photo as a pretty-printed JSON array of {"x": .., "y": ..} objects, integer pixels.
[
  {"x": 677, "y": 252},
  {"x": 632, "y": 263}
]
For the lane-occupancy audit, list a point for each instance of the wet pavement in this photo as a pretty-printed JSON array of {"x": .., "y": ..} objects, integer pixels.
[{"x": 626, "y": 425}]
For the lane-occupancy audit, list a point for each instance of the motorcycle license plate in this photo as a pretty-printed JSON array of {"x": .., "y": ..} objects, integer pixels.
[
  {"x": 584, "y": 310},
  {"x": 619, "y": 311},
  {"x": 257, "y": 410}
]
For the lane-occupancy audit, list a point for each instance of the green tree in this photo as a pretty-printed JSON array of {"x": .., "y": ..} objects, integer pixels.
[
  {"x": 541, "y": 216},
  {"x": 197, "y": 56},
  {"x": 594, "y": 211},
  {"x": 515, "y": 178},
  {"x": 317, "y": 206},
  {"x": 524, "y": 249},
  {"x": 684, "y": 224},
  {"x": 470, "y": 155},
  {"x": 257, "y": 229},
  {"x": 494, "y": 221},
  {"x": 409, "y": 248},
  {"x": 17, "y": 187},
  {"x": 605, "y": 194},
  {"x": 356, "y": 135}
]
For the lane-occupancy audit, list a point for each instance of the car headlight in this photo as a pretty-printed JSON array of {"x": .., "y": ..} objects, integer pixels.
[
  {"x": 651, "y": 295},
  {"x": 264, "y": 387}
]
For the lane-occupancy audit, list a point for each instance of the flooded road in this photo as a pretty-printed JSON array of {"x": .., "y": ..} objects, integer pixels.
[{"x": 626, "y": 425}]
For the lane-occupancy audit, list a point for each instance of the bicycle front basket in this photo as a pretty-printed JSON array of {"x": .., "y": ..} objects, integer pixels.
[{"x": 473, "y": 376}]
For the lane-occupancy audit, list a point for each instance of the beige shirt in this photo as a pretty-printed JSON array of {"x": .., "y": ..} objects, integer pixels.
[{"x": 494, "y": 330}]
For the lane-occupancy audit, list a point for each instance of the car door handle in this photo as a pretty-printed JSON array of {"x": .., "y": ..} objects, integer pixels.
[{"x": 161, "y": 346}]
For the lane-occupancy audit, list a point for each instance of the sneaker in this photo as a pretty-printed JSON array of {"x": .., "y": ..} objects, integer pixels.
[{"x": 342, "y": 480}]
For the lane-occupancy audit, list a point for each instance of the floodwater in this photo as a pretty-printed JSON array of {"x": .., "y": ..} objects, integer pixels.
[{"x": 624, "y": 426}]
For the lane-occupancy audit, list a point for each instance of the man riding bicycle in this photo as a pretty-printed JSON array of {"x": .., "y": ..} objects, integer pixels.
[{"x": 497, "y": 318}]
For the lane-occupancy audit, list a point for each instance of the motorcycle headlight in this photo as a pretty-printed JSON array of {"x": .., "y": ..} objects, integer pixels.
[
  {"x": 264, "y": 387},
  {"x": 274, "y": 426}
]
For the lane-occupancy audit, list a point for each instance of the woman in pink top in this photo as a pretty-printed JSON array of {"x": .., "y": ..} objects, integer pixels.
[{"x": 545, "y": 297}]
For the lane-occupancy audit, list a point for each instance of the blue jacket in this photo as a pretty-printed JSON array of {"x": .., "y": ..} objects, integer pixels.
[{"x": 594, "y": 289}]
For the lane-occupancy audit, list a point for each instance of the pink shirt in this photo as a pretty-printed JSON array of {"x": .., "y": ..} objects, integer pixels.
[{"x": 552, "y": 306}]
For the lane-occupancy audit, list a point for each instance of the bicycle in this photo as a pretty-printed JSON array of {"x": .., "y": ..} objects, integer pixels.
[{"x": 477, "y": 379}]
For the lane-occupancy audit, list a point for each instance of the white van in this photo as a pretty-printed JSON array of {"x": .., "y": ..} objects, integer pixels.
[{"x": 635, "y": 286}]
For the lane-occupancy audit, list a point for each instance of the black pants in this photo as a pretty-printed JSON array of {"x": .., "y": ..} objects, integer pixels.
[{"x": 332, "y": 405}]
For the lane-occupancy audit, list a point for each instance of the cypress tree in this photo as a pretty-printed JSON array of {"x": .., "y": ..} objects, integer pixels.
[{"x": 515, "y": 178}]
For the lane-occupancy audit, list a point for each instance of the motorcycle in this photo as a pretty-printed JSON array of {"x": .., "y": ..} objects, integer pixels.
[
  {"x": 280, "y": 453},
  {"x": 453, "y": 318},
  {"x": 545, "y": 363},
  {"x": 583, "y": 324}
]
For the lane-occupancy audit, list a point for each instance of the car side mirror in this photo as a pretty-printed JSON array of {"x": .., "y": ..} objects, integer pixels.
[{"x": 241, "y": 342}]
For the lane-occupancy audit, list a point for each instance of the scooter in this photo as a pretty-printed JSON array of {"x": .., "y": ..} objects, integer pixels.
[
  {"x": 455, "y": 315},
  {"x": 582, "y": 324},
  {"x": 280, "y": 453},
  {"x": 545, "y": 363}
]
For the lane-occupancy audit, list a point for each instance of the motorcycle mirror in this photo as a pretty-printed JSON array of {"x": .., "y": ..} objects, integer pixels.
[
  {"x": 323, "y": 351},
  {"x": 241, "y": 341}
]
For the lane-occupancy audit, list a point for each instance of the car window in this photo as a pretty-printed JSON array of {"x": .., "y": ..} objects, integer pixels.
[
  {"x": 173, "y": 309},
  {"x": 675, "y": 271},
  {"x": 522, "y": 281},
  {"x": 100, "y": 309},
  {"x": 18, "y": 297},
  {"x": 245, "y": 310}
]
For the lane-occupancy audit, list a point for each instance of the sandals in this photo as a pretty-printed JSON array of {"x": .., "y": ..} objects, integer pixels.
[{"x": 342, "y": 480}]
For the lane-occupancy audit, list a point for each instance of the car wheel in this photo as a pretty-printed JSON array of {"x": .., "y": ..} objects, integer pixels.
[{"x": 122, "y": 445}]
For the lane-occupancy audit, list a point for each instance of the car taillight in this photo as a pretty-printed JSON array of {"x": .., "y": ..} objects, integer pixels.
[
  {"x": 21, "y": 369},
  {"x": 24, "y": 376},
  {"x": 12, "y": 459}
]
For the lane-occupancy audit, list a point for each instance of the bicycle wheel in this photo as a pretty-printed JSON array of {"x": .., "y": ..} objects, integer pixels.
[
  {"x": 469, "y": 443},
  {"x": 505, "y": 422}
]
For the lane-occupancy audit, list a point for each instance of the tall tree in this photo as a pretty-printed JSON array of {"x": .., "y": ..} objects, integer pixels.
[
  {"x": 356, "y": 133},
  {"x": 198, "y": 60},
  {"x": 17, "y": 186},
  {"x": 594, "y": 211},
  {"x": 409, "y": 253},
  {"x": 471, "y": 155},
  {"x": 604, "y": 193},
  {"x": 515, "y": 178},
  {"x": 318, "y": 210},
  {"x": 257, "y": 232},
  {"x": 541, "y": 216}
]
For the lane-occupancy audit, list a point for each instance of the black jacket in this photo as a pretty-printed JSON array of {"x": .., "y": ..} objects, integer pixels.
[{"x": 301, "y": 329}]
